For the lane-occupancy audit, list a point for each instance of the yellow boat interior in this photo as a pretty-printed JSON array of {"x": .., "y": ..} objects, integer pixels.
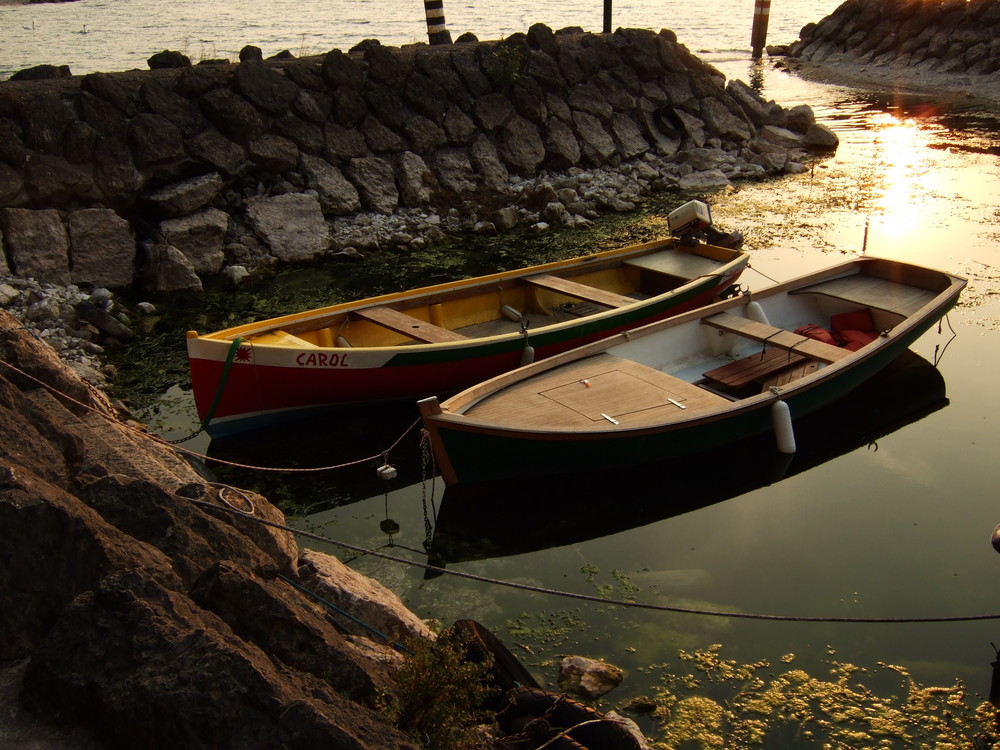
[{"x": 497, "y": 304}]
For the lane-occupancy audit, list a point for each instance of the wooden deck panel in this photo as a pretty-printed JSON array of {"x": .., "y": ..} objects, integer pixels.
[
  {"x": 870, "y": 291},
  {"x": 580, "y": 291},
  {"x": 577, "y": 395},
  {"x": 778, "y": 337},
  {"x": 408, "y": 325},
  {"x": 677, "y": 263}
]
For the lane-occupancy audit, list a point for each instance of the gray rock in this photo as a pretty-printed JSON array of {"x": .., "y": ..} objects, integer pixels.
[
  {"x": 337, "y": 195},
  {"x": 596, "y": 144},
  {"x": 166, "y": 269},
  {"x": 492, "y": 173},
  {"x": 454, "y": 170},
  {"x": 265, "y": 87},
  {"x": 819, "y": 137},
  {"x": 36, "y": 243},
  {"x": 200, "y": 237},
  {"x": 588, "y": 677},
  {"x": 711, "y": 180},
  {"x": 376, "y": 183},
  {"x": 292, "y": 225},
  {"x": 274, "y": 154},
  {"x": 184, "y": 197},
  {"x": 218, "y": 152},
  {"x": 414, "y": 178},
  {"x": 102, "y": 247}
]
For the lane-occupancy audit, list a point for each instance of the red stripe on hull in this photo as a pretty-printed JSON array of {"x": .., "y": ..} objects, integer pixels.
[{"x": 251, "y": 389}]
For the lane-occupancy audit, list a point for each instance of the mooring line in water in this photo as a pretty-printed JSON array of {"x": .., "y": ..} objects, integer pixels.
[
  {"x": 590, "y": 597},
  {"x": 194, "y": 454}
]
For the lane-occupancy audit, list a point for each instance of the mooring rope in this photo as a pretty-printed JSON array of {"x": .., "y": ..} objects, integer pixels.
[
  {"x": 590, "y": 597},
  {"x": 194, "y": 454},
  {"x": 250, "y": 515}
]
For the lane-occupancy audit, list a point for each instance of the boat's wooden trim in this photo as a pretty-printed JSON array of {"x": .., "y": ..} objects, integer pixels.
[
  {"x": 407, "y": 325},
  {"x": 871, "y": 291},
  {"x": 777, "y": 337},
  {"x": 580, "y": 291}
]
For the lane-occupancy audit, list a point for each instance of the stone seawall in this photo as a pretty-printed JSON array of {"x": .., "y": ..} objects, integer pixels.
[
  {"x": 170, "y": 175},
  {"x": 951, "y": 46}
]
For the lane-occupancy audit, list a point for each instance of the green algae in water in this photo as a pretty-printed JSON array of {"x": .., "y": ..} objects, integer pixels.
[{"x": 725, "y": 704}]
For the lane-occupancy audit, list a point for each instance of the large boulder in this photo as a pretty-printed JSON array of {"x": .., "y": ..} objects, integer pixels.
[
  {"x": 292, "y": 225},
  {"x": 102, "y": 247}
]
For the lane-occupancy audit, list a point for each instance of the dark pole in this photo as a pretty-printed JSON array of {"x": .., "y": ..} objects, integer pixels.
[
  {"x": 607, "y": 16},
  {"x": 758, "y": 35},
  {"x": 437, "y": 31}
]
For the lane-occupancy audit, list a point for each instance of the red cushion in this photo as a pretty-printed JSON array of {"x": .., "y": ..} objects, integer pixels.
[
  {"x": 815, "y": 332},
  {"x": 859, "y": 320},
  {"x": 854, "y": 340}
]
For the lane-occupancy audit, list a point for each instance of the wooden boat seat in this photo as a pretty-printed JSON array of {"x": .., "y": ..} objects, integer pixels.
[
  {"x": 758, "y": 367},
  {"x": 580, "y": 291},
  {"x": 408, "y": 325},
  {"x": 871, "y": 291},
  {"x": 676, "y": 263},
  {"x": 777, "y": 337}
]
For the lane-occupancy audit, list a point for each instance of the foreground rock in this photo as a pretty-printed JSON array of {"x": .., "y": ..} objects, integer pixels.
[{"x": 140, "y": 608}]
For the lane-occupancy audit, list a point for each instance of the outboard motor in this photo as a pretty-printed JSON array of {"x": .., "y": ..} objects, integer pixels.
[{"x": 693, "y": 221}]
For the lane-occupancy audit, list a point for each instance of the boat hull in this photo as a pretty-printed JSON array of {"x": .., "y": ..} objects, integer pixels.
[
  {"x": 472, "y": 449},
  {"x": 266, "y": 385}
]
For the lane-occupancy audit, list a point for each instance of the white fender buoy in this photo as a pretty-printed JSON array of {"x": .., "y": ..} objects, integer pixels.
[
  {"x": 784, "y": 433},
  {"x": 756, "y": 313},
  {"x": 527, "y": 354}
]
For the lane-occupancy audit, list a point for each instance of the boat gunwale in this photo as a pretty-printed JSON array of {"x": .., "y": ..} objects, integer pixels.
[{"x": 735, "y": 264}]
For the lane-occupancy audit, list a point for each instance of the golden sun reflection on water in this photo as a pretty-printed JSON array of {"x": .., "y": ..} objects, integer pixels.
[{"x": 903, "y": 177}]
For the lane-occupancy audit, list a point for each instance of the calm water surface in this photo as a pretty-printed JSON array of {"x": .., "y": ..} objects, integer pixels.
[
  {"x": 888, "y": 510},
  {"x": 107, "y": 35}
]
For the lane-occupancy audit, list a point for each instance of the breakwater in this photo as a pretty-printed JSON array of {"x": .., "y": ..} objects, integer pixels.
[
  {"x": 166, "y": 176},
  {"x": 918, "y": 41}
]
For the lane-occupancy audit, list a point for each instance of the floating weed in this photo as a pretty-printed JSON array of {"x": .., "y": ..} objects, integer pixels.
[{"x": 736, "y": 706}]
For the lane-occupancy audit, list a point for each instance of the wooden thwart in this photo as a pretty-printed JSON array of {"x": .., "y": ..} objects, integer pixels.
[
  {"x": 408, "y": 325},
  {"x": 777, "y": 337},
  {"x": 580, "y": 291},
  {"x": 756, "y": 367}
]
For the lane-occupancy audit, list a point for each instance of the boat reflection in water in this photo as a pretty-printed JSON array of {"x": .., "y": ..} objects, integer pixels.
[{"x": 484, "y": 521}]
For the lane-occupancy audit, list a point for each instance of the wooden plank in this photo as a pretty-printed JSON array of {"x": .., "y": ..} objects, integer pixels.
[
  {"x": 871, "y": 291},
  {"x": 408, "y": 325},
  {"x": 283, "y": 338},
  {"x": 580, "y": 291},
  {"x": 778, "y": 337},
  {"x": 756, "y": 367},
  {"x": 788, "y": 374},
  {"x": 685, "y": 265}
]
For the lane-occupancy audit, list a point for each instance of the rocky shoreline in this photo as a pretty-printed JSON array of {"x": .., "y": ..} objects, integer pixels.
[{"x": 135, "y": 598}]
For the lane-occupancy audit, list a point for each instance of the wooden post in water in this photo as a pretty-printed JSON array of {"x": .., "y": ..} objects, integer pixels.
[
  {"x": 437, "y": 31},
  {"x": 607, "y": 16},
  {"x": 758, "y": 35}
]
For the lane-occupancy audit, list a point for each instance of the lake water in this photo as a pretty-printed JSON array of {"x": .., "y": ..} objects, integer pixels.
[
  {"x": 887, "y": 511},
  {"x": 108, "y": 35}
]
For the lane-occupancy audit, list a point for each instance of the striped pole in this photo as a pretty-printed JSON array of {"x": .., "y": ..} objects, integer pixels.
[
  {"x": 607, "y": 16},
  {"x": 437, "y": 32},
  {"x": 758, "y": 35}
]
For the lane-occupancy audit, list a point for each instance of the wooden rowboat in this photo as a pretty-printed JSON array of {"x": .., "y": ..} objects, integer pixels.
[
  {"x": 440, "y": 339},
  {"x": 515, "y": 517},
  {"x": 731, "y": 370}
]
